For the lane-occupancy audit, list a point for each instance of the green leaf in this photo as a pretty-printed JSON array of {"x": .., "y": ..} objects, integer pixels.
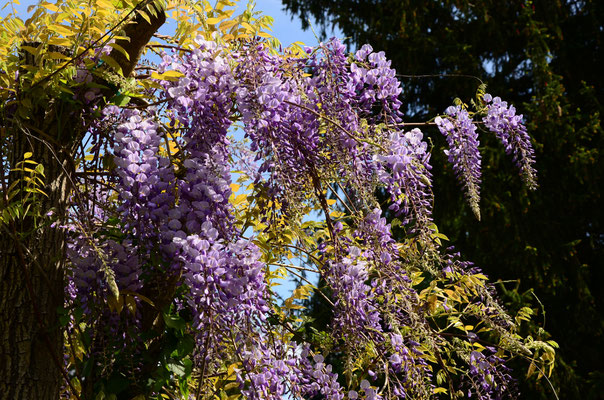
[
  {"x": 40, "y": 169},
  {"x": 185, "y": 346},
  {"x": 144, "y": 15},
  {"x": 120, "y": 100},
  {"x": 121, "y": 49},
  {"x": 113, "y": 64},
  {"x": 174, "y": 321},
  {"x": 177, "y": 368}
]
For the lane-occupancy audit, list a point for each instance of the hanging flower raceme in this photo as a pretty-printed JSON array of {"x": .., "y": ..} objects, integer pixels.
[
  {"x": 375, "y": 86},
  {"x": 462, "y": 138},
  {"x": 502, "y": 120},
  {"x": 283, "y": 132},
  {"x": 405, "y": 171},
  {"x": 355, "y": 309},
  {"x": 146, "y": 178},
  {"x": 222, "y": 271},
  {"x": 488, "y": 376},
  {"x": 226, "y": 280},
  {"x": 317, "y": 126},
  {"x": 200, "y": 106}
]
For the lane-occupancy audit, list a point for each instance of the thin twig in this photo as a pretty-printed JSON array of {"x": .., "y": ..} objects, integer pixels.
[
  {"x": 440, "y": 76},
  {"x": 339, "y": 198},
  {"x": 347, "y": 197},
  {"x": 295, "y": 267},
  {"x": 169, "y": 46}
]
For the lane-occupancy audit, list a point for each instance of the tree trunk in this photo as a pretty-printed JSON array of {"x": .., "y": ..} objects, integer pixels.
[
  {"x": 31, "y": 289},
  {"x": 32, "y": 258}
]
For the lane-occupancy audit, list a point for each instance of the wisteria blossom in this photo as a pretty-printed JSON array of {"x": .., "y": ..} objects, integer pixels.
[
  {"x": 502, "y": 120},
  {"x": 195, "y": 269},
  {"x": 462, "y": 138}
]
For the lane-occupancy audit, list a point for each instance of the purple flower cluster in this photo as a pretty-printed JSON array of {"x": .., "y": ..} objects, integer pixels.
[
  {"x": 405, "y": 171},
  {"x": 177, "y": 221},
  {"x": 226, "y": 279},
  {"x": 277, "y": 370},
  {"x": 285, "y": 136},
  {"x": 377, "y": 236},
  {"x": 146, "y": 179},
  {"x": 373, "y": 299},
  {"x": 306, "y": 127},
  {"x": 374, "y": 83},
  {"x": 488, "y": 376},
  {"x": 200, "y": 105},
  {"x": 312, "y": 121},
  {"x": 93, "y": 261},
  {"x": 462, "y": 138},
  {"x": 355, "y": 309},
  {"x": 502, "y": 120}
]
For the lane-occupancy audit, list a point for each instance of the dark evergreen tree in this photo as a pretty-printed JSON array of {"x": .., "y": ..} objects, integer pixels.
[{"x": 545, "y": 56}]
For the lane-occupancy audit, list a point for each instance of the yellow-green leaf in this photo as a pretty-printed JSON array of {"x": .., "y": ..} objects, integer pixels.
[
  {"x": 55, "y": 55},
  {"x": 50, "y": 7},
  {"x": 61, "y": 30},
  {"x": 112, "y": 63},
  {"x": 167, "y": 76},
  {"x": 120, "y": 49}
]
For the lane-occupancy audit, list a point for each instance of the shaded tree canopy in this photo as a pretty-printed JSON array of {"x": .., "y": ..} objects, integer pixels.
[{"x": 547, "y": 57}]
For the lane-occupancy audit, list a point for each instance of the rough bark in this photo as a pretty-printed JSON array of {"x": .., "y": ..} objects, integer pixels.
[
  {"x": 32, "y": 259},
  {"x": 31, "y": 290}
]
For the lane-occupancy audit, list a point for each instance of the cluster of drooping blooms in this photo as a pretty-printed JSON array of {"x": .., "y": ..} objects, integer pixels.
[
  {"x": 325, "y": 118},
  {"x": 502, "y": 120},
  {"x": 279, "y": 370},
  {"x": 355, "y": 309},
  {"x": 377, "y": 236},
  {"x": 392, "y": 285},
  {"x": 226, "y": 279},
  {"x": 306, "y": 127},
  {"x": 374, "y": 84},
  {"x": 101, "y": 264},
  {"x": 406, "y": 173},
  {"x": 462, "y": 138},
  {"x": 282, "y": 132},
  {"x": 489, "y": 376},
  {"x": 222, "y": 271},
  {"x": 200, "y": 106},
  {"x": 146, "y": 179},
  {"x": 374, "y": 300}
]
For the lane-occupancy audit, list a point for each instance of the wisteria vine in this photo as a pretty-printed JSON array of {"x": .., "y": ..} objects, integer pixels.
[{"x": 187, "y": 270}]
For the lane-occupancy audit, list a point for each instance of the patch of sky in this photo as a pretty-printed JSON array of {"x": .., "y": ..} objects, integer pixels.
[
  {"x": 286, "y": 28},
  {"x": 523, "y": 68},
  {"x": 489, "y": 66},
  {"x": 459, "y": 15},
  {"x": 576, "y": 7}
]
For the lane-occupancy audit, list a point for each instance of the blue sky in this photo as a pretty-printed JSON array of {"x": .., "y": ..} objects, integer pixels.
[{"x": 286, "y": 29}]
